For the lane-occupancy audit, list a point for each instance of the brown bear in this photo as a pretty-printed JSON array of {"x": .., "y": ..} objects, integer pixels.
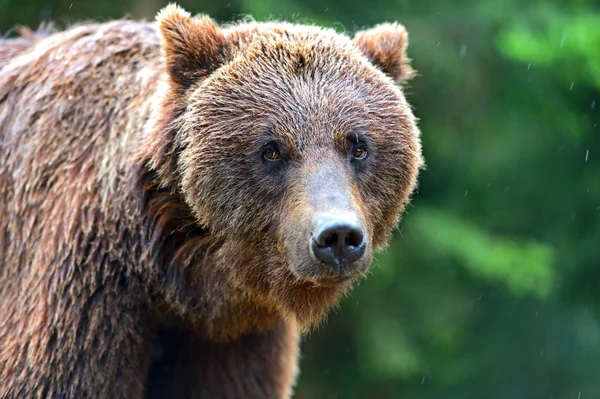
[{"x": 179, "y": 201}]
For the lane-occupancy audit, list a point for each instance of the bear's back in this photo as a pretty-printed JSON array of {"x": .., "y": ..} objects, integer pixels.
[
  {"x": 75, "y": 83},
  {"x": 72, "y": 106}
]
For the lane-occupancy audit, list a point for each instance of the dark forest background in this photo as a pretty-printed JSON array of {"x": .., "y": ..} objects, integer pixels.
[{"x": 491, "y": 287}]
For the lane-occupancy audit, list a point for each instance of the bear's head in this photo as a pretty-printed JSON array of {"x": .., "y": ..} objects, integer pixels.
[{"x": 292, "y": 145}]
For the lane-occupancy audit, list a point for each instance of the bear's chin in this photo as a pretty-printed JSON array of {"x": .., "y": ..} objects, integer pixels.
[{"x": 309, "y": 302}]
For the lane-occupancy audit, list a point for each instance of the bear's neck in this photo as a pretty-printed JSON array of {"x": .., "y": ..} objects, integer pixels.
[{"x": 190, "y": 282}]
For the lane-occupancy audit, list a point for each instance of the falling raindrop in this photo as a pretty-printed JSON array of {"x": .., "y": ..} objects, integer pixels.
[
  {"x": 571, "y": 88},
  {"x": 586, "y": 154},
  {"x": 562, "y": 40},
  {"x": 529, "y": 66},
  {"x": 593, "y": 104},
  {"x": 463, "y": 50}
]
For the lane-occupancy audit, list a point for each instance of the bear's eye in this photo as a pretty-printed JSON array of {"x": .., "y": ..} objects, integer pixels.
[
  {"x": 271, "y": 154},
  {"x": 359, "y": 152}
]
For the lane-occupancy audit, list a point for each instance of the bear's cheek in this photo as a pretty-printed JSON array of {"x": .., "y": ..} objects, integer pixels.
[
  {"x": 388, "y": 182},
  {"x": 228, "y": 196}
]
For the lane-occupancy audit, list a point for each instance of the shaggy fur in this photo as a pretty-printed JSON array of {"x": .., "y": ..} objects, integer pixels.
[{"x": 142, "y": 233}]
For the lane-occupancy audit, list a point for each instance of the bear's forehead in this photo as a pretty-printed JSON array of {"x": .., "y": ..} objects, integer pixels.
[
  {"x": 285, "y": 41},
  {"x": 285, "y": 31},
  {"x": 318, "y": 94},
  {"x": 301, "y": 83},
  {"x": 310, "y": 59}
]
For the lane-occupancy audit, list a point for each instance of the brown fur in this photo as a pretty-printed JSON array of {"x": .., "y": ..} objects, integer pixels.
[
  {"x": 10, "y": 48},
  {"x": 131, "y": 194}
]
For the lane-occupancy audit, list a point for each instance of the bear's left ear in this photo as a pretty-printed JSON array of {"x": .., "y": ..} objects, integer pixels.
[
  {"x": 385, "y": 46},
  {"x": 192, "y": 47}
]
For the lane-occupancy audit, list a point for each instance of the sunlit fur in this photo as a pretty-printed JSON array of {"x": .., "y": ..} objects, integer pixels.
[{"x": 132, "y": 193}]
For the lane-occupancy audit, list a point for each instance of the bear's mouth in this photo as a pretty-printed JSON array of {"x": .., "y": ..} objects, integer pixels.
[
  {"x": 332, "y": 282},
  {"x": 327, "y": 275}
]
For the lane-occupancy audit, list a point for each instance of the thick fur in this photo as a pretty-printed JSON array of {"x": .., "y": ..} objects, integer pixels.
[
  {"x": 256, "y": 366},
  {"x": 141, "y": 233},
  {"x": 10, "y": 48}
]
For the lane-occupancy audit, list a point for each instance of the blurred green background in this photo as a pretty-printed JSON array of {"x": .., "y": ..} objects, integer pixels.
[{"x": 491, "y": 287}]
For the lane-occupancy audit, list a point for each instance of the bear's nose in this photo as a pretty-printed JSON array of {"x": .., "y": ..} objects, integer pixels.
[{"x": 337, "y": 238}]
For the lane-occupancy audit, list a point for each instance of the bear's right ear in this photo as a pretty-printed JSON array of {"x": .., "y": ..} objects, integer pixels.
[{"x": 192, "y": 47}]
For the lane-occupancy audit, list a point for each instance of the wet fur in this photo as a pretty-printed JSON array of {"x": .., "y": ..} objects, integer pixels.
[{"x": 127, "y": 248}]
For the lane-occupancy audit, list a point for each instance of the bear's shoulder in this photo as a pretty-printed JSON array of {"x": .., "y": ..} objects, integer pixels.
[{"x": 47, "y": 56}]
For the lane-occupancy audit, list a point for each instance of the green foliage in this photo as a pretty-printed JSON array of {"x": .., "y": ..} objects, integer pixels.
[
  {"x": 491, "y": 286},
  {"x": 563, "y": 44},
  {"x": 522, "y": 266}
]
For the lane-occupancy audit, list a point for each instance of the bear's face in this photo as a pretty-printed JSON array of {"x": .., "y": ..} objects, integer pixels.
[{"x": 295, "y": 150}]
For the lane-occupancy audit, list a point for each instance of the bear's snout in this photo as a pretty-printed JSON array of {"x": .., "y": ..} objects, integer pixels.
[
  {"x": 337, "y": 239},
  {"x": 328, "y": 239}
]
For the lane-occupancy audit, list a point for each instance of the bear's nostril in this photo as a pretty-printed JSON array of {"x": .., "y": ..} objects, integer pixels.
[
  {"x": 353, "y": 239},
  {"x": 330, "y": 240}
]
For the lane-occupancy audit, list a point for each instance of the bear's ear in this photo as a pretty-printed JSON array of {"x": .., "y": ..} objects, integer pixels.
[
  {"x": 385, "y": 46},
  {"x": 192, "y": 47}
]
